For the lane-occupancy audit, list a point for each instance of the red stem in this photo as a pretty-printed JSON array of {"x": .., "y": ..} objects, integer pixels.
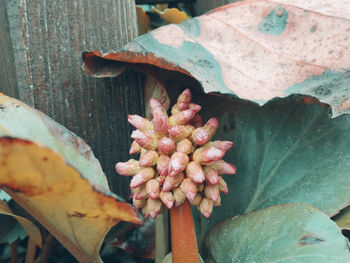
[{"x": 183, "y": 234}]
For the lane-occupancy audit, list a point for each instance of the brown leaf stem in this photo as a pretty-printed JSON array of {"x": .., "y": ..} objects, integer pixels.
[{"x": 31, "y": 248}]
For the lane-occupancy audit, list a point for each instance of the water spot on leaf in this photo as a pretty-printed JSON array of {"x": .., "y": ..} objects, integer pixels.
[
  {"x": 310, "y": 240},
  {"x": 275, "y": 22}
]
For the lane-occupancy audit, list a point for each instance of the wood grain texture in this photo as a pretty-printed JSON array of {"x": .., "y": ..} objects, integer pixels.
[
  {"x": 202, "y": 6},
  {"x": 41, "y": 46}
]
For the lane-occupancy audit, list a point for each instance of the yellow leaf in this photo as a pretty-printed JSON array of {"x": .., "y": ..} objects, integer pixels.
[
  {"x": 172, "y": 15},
  {"x": 31, "y": 229},
  {"x": 53, "y": 174},
  {"x": 143, "y": 21}
]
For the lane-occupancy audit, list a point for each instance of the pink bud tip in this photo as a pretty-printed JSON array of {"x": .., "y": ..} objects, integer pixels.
[
  {"x": 153, "y": 195},
  {"x": 153, "y": 214},
  {"x": 121, "y": 168},
  {"x": 206, "y": 214},
  {"x": 214, "y": 122},
  {"x": 195, "y": 107},
  {"x": 174, "y": 131},
  {"x": 167, "y": 186},
  {"x": 190, "y": 196},
  {"x": 188, "y": 114},
  {"x": 201, "y": 136},
  {"x": 169, "y": 204},
  {"x": 225, "y": 145},
  {"x": 214, "y": 154},
  {"x": 136, "y": 181},
  {"x": 166, "y": 145},
  {"x": 228, "y": 169},
  {"x": 135, "y": 120},
  {"x": 137, "y": 134},
  {"x": 182, "y": 105},
  {"x": 154, "y": 103},
  {"x": 198, "y": 178}
]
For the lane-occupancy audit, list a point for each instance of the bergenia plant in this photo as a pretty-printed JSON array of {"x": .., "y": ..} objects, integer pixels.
[{"x": 178, "y": 161}]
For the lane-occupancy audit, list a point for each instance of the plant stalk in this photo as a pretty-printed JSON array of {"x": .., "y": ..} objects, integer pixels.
[
  {"x": 31, "y": 248},
  {"x": 183, "y": 235}
]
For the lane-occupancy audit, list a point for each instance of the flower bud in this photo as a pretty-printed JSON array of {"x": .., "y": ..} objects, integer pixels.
[
  {"x": 206, "y": 207},
  {"x": 183, "y": 102},
  {"x": 179, "y": 197},
  {"x": 223, "y": 167},
  {"x": 212, "y": 192},
  {"x": 218, "y": 201},
  {"x": 163, "y": 165},
  {"x": 140, "y": 123},
  {"x": 145, "y": 210},
  {"x": 128, "y": 168},
  {"x": 139, "y": 193},
  {"x": 180, "y": 132},
  {"x": 154, "y": 207},
  {"x": 177, "y": 163},
  {"x": 195, "y": 172},
  {"x": 211, "y": 175},
  {"x": 142, "y": 176},
  {"x": 146, "y": 140},
  {"x": 181, "y": 118},
  {"x": 189, "y": 188},
  {"x": 222, "y": 145},
  {"x": 184, "y": 146},
  {"x": 153, "y": 188},
  {"x": 196, "y": 121},
  {"x": 222, "y": 185},
  {"x": 167, "y": 199},
  {"x": 197, "y": 199},
  {"x": 166, "y": 145},
  {"x": 134, "y": 148},
  {"x": 160, "y": 117},
  {"x": 138, "y": 203},
  {"x": 150, "y": 158},
  {"x": 171, "y": 182},
  {"x": 204, "y": 134},
  {"x": 207, "y": 155}
]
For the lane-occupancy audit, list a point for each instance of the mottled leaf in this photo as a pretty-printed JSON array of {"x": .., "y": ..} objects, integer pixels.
[
  {"x": 295, "y": 233},
  {"x": 256, "y": 50},
  {"x": 53, "y": 174},
  {"x": 31, "y": 229},
  {"x": 286, "y": 151}
]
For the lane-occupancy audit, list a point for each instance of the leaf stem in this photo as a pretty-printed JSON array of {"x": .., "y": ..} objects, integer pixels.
[
  {"x": 14, "y": 254},
  {"x": 183, "y": 235},
  {"x": 30, "y": 255}
]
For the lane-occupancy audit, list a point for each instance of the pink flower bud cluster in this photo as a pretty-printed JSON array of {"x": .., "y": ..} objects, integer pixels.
[{"x": 177, "y": 159}]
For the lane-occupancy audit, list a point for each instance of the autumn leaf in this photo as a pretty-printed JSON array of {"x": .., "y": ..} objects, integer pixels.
[
  {"x": 256, "y": 50},
  {"x": 53, "y": 174}
]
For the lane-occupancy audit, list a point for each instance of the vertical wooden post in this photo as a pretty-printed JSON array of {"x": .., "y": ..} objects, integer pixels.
[{"x": 40, "y": 52}]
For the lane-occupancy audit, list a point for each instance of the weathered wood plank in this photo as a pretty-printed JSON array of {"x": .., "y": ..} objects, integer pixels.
[
  {"x": 41, "y": 45},
  {"x": 203, "y": 6}
]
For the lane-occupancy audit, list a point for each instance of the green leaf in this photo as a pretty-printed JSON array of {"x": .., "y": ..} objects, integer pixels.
[
  {"x": 286, "y": 151},
  {"x": 295, "y": 233},
  {"x": 10, "y": 230}
]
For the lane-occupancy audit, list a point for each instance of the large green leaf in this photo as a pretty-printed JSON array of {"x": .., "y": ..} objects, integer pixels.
[
  {"x": 295, "y": 233},
  {"x": 286, "y": 151}
]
